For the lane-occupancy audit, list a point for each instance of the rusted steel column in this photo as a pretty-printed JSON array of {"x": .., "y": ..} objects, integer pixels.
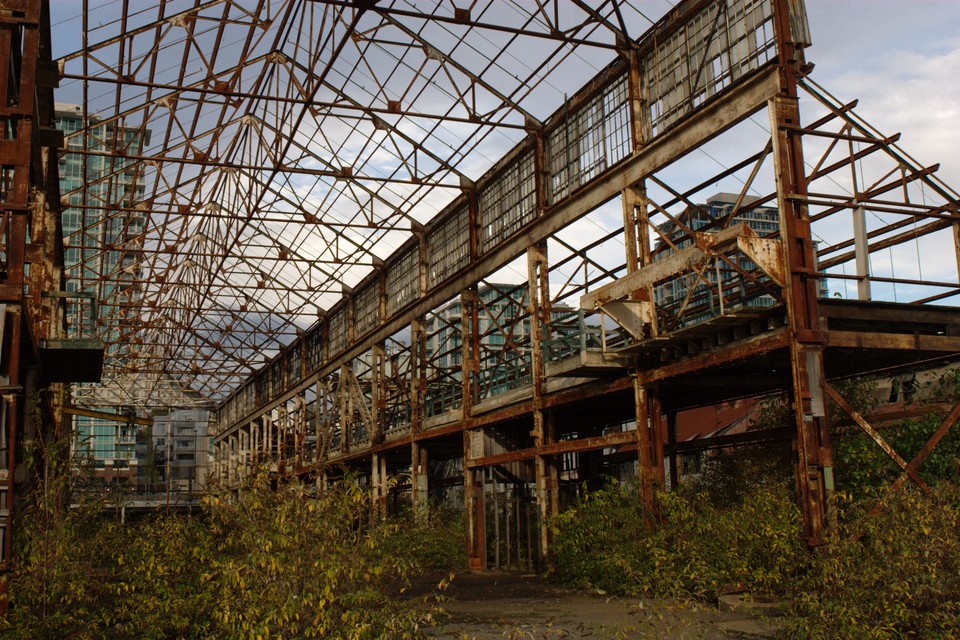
[
  {"x": 418, "y": 375},
  {"x": 379, "y": 483},
  {"x": 475, "y": 521},
  {"x": 639, "y": 115},
  {"x": 302, "y": 428},
  {"x": 254, "y": 428},
  {"x": 814, "y": 468},
  {"x": 636, "y": 240},
  {"x": 649, "y": 444},
  {"x": 469, "y": 346},
  {"x": 547, "y": 475},
  {"x": 319, "y": 411},
  {"x": 283, "y": 437},
  {"x": 419, "y": 480},
  {"x": 672, "y": 449},
  {"x": 268, "y": 440},
  {"x": 346, "y": 410},
  {"x": 419, "y": 471},
  {"x": 636, "y": 229},
  {"x": 472, "y": 438},
  {"x": 378, "y": 396},
  {"x": 19, "y": 52},
  {"x": 631, "y": 229}
]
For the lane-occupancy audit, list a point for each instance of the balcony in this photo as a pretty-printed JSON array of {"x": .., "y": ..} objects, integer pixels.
[{"x": 75, "y": 359}]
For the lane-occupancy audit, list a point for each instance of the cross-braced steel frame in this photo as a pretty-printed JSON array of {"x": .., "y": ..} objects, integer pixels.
[
  {"x": 595, "y": 358},
  {"x": 395, "y": 240}
]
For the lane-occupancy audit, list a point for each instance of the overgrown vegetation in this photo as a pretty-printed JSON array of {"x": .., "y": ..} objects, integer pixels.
[
  {"x": 266, "y": 563},
  {"x": 611, "y": 543},
  {"x": 894, "y": 573},
  {"x": 892, "y": 576},
  {"x": 291, "y": 562}
]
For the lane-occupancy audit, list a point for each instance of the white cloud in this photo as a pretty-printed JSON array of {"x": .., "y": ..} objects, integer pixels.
[{"x": 900, "y": 60}]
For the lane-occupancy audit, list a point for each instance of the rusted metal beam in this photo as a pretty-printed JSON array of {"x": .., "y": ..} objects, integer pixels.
[
  {"x": 106, "y": 415},
  {"x": 612, "y": 440},
  {"x": 894, "y": 341},
  {"x": 875, "y": 435}
]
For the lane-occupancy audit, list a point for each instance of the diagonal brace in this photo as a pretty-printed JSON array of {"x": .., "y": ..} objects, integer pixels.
[
  {"x": 918, "y": 459},
  {"x": 875, "y": 435}
]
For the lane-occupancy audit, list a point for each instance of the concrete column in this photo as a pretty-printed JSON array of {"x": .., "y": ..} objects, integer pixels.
[{"x": 861, "y": 253}]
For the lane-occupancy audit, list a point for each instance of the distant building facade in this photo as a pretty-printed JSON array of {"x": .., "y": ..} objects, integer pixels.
[
  {"x": 177, "y": 457},
  {"x": 102, "y": 232}
]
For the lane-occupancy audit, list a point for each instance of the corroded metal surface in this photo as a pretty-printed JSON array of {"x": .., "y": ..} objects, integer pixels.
[{"x": 366, "y": 230}]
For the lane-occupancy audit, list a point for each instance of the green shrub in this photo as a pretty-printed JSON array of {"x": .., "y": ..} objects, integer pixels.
[
  {"x": 609, "y": 542},
  {"x": 263, "y": 563},
  {"x": 434, "y": 541},
  {"x": 891, "y": 576},
  {"x": 291, "y": 564},
  {"x": 600, "y": 542},
  {"x": 896, "y": 575}
]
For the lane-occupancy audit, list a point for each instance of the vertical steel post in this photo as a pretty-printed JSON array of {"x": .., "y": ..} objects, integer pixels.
[
  {"x": 814, "y": 469},
  {"x": 649, "y": 444},
  {"x": 19, "y": 53},
  {"x": 472, "y": 478},
  {"x": 672, "y": 449},
  {"x": 419, "y": 469},
  {"x": 547, "y": 475}
]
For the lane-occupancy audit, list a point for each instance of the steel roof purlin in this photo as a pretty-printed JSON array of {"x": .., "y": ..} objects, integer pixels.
[{"x": 283, "y": 149}]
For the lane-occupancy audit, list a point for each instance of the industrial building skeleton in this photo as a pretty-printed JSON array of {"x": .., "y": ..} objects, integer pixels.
[
  {"x": 315, "y": 409},
  {"x": 653, "y": 370}
]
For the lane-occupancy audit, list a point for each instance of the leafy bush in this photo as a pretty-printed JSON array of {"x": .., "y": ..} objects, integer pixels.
[
  {"x": 433, "y": 541},
  {"x": 609, "y": 542},
  {"x": 892, "y": 576},
  {"x": 264, "y": 563},
  {"x": 728, "y": 477}
]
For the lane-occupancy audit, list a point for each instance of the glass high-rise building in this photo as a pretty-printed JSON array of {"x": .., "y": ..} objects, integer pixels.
[{"x": 102, "y": 184}]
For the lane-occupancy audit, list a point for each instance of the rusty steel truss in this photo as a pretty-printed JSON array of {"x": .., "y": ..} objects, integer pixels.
[{"x": 477, "y": 244}]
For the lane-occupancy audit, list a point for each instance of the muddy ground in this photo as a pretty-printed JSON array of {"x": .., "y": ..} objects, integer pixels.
[{"x": 487, "y": 605}]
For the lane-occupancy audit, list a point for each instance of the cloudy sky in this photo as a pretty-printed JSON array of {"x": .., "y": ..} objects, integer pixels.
[{"x": 900, "y": 58}]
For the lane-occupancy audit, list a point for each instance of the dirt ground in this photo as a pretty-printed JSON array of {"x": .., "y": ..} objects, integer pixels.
[{"x": 487, "y": 605}]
